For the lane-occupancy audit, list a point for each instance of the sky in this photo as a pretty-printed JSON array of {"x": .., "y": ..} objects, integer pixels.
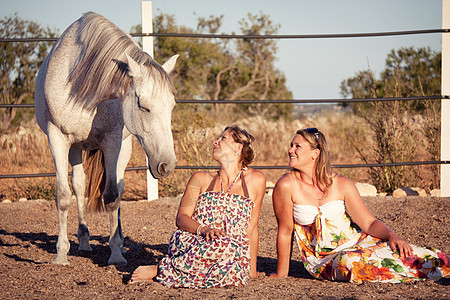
[{"x": 314, "y": 68}]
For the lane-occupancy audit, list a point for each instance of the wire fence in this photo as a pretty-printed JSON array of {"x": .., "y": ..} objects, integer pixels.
[
  {"x": 338, "y": 166},
  {"x": 293, "y": 101},
  {"x": 254, "y": 36}
]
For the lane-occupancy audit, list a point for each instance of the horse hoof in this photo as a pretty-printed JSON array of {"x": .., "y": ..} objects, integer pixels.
[
  {"x": 117, "y": 261},
  {"x": 83, "y": 247},
  {"x": 61, "y": 261}
]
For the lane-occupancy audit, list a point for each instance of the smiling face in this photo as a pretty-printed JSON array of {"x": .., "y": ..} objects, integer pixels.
[
  {"x": 301, "y": 154},
  {"x": 224, "y": 148}
]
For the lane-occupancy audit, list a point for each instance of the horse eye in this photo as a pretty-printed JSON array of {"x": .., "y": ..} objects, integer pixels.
[
  {"x": 144, "y": 108},
  {"x": 140, "y": 106}
]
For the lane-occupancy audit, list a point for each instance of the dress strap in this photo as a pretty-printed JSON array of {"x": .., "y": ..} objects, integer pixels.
[
  {"x": 234, "y": 181},
  {"x": 211, "y": 185},
  {"x": 244, "y": 186}
]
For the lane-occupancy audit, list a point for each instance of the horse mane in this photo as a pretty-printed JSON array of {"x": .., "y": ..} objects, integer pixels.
[{"x": 100, "y": 72}]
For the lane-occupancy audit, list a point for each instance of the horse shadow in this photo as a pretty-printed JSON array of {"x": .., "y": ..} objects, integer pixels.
[
  {"x": 136, "y": 253},
  {"x": 41, "y": 240}
]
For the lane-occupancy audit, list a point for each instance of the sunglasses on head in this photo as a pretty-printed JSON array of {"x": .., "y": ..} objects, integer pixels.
[{"x": 314, "y": 131}]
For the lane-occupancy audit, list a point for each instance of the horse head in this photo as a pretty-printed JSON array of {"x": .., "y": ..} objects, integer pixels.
[{"x": 148, "y": 106}]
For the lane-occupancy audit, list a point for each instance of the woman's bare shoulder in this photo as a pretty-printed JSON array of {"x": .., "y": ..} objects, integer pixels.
[
  {"x": 254, "y": 174},
  {"x": 344, "y": 185},
  {"x": 202, "y": 178},
  {"x": 287, "y": 181},
  {"x": 341, "y": 180}
]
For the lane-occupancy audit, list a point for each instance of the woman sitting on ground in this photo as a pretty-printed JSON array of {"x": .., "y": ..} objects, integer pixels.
[
  {"x": 216, "y": 244},
  {"x": 313, "y": 202}
]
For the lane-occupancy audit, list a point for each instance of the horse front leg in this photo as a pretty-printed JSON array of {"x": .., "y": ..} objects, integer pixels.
[
  {"x": 59, "y": 148},
  {"x": 124, "y": 157},
  {"x": 112, "y": 196},
  {"x": 78, "y": 186}
]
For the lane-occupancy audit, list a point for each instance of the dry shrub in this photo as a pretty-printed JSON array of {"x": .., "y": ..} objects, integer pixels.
[
  {"x": 394, "y": 136},
  {"x": 34, "y": 188},
  {"x": 27, "y": 145},
  {"x": 26, "y": 150},
  {"x": 430, "y": 124},
  {"x": 396, "y": 133}
]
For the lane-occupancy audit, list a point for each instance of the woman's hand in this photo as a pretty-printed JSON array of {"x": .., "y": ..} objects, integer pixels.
[
  {"x": 211, "y": 233},
  {"x": 397, "y": 243}
]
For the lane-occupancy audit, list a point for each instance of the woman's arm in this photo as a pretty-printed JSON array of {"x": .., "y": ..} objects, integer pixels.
[
  {"x": 184, "y": 221},
  {"x": 283, "y": 208},
  {"x": 257, "y": 190},
  {"x": 193, "y": 189},
  {"x": 361, "y": 215}
]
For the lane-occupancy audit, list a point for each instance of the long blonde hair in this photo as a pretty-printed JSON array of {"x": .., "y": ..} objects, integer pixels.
[{"x": 323, "y": 166}]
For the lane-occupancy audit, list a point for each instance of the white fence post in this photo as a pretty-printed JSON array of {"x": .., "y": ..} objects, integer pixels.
[
  {"x": 445, "y": 104},
  {"x": 147, "y": 46}
]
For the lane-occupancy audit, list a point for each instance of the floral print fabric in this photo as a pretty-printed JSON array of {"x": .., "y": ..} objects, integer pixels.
[
  {"x": 333, "y": 248},
  {"x": 194, "y": 262}
]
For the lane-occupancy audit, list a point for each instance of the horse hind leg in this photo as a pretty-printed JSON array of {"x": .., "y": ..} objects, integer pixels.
[
  {"x": 59, "y": 148},
  {"x": 78, "y": 186}
]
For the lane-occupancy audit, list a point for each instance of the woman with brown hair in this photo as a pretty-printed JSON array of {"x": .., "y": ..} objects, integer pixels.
[
  {"x": 216, "y": 243},
  {"x": 316, "y": 204}
]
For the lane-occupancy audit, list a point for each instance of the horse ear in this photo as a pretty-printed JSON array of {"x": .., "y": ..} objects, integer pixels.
[
  {"x": 170, "y": 64},
  {"x": 134, "y": 70}
]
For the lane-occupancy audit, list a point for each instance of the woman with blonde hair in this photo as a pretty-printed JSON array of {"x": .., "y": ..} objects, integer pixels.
[
  {"x": 216, "y": 243},
  {"x": 338, "y": 237}
]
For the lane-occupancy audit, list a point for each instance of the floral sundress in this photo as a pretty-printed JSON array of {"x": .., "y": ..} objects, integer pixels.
[
  {"x": 334, "y": 248},
  {"x": 193, "y": 262}
]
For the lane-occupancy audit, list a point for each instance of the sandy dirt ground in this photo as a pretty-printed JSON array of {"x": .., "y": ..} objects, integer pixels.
[{"x": 28, "y": 235}]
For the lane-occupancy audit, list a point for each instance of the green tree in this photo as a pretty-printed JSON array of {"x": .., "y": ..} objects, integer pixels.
[
  {"x": 215, "y": 69},
  {"x": 256, "y": 77},
  {"x": 398, "y": 125},
  {"x": 19, "y": 64}
]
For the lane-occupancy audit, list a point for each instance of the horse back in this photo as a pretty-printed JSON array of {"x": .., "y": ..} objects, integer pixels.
[{"x": 52, "y": 87}]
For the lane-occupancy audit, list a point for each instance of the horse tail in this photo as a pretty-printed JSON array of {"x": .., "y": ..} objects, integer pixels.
[{"x": 94, "y": 163}]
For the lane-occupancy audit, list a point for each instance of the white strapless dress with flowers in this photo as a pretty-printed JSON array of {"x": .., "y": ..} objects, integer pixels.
[{"x": 334, "y": 248}]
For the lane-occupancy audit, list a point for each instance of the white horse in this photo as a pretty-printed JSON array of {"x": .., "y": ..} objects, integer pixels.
[{"x": 95, "y": 88}]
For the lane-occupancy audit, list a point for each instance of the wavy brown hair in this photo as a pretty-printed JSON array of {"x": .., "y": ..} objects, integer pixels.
[{"x": 243, "y": 137}]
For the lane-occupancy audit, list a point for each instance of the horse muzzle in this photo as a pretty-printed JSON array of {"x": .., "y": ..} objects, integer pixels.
[{"x": 162, "y": 170}]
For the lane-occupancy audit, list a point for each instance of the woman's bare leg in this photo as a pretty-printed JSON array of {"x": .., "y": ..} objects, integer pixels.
[{"x": 144, "y": 273}]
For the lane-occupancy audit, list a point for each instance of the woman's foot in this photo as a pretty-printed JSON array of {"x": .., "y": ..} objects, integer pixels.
[
  {"x": 144, "y": 273},
  {"x": 253, "y": 276}
]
